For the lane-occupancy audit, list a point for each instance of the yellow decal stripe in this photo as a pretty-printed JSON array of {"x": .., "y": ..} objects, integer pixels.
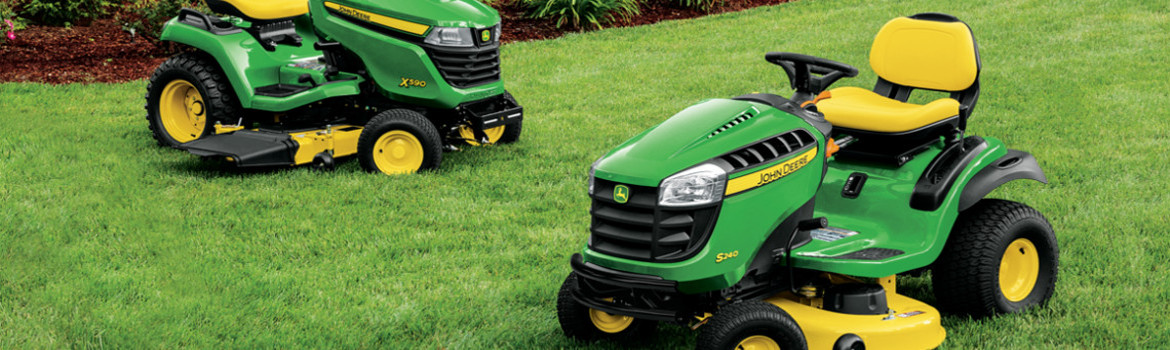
[
  {"x": 393, "y": 23},
  {"x": 768, "y": 175}
]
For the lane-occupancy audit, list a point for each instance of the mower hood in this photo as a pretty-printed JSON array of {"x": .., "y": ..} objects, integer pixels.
[
  {"x": 440, "y": 13},
  {"x": 697, "y": 134}
]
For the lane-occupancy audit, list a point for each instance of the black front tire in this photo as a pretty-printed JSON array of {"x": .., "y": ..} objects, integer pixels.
[
  {"x": 966, "y": 276},
  {"x": 399, "y": 141},
  {"x": 512, "y": 131},
  {"x": 577, "y": 323},
  {"x": 218, "y": 99},
  {"x": 750, "y": 321}
]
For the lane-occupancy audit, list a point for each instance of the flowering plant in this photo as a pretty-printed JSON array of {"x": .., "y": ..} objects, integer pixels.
[{"x": 11, "y": 32}]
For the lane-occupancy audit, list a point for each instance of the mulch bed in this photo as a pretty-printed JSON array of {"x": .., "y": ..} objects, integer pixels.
[{"x": 103, "y": 52}]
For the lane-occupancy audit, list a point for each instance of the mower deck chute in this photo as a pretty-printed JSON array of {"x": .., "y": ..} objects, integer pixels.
[
  {"x": 246, "y": 148},
  {"x": 261, "y": 148}
]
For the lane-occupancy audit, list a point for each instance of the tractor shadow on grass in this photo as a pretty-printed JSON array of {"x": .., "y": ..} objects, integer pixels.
[{"x": 213, "y": 167}]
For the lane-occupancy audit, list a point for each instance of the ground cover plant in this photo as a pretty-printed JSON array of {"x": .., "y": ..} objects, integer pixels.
[{"x": 107, "y": 241}]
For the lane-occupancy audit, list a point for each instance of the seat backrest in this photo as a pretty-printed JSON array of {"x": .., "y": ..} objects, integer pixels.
[{"x": 928, "y": 51}]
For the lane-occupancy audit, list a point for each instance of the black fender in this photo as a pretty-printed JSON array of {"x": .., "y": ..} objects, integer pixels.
[{"x": 1014, "y": 165}]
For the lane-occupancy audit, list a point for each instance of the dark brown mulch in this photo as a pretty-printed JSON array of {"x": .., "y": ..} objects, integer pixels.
[
  {"x": 100, "y": 52},
  {"x": 103, "y": 52}
]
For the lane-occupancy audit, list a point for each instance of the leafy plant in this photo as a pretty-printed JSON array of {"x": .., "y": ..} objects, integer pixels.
[
  {"x": 8, "y": 11},
  {"x": 60, "y": 12},
  {"x": 698, "y": 4},
  {"x": 9, "y": 22},
  {"x": 147, "y": 17},
  {"x": 581, "y": 12}
]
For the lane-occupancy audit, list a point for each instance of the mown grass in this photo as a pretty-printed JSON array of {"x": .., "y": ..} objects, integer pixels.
[{"x": 110, "y": 241}]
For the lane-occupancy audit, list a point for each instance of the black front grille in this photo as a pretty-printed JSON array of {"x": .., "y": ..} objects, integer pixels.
[
  {"x": 640, "y": 229},
  {"x": 465, "y": 67}
]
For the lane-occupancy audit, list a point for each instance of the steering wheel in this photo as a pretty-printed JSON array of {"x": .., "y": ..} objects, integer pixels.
[{"x": 801, "y": 70}]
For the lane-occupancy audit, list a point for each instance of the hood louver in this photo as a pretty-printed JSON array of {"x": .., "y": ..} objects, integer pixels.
[
  {"x": 740, "y": 119},
  {"x": 769, "y": 149}
]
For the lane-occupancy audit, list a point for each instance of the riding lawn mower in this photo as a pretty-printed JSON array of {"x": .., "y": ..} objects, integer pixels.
[
  {"x": 292, "y": 82},
  {"x": 768, "y": 222}
]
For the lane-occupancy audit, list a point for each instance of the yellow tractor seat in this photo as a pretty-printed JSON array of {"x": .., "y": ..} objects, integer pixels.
[
  {"x": 254, "y": 10},
  {"x": 861, "y": 109}
]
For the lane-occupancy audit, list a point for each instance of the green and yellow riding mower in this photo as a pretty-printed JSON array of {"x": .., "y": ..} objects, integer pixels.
[
  {"x": 292, "y": 82},
  {"x": 781, "y": 223}
]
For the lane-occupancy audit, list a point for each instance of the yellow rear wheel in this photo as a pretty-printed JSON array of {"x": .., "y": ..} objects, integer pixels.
[
  {"x": 757, "y": 342},
  {"x": 1018, "y": 270},
  {"x": 492, "y": 134},
  {"x": 182, "y": 111},
  {"x": 1001, "y": 257},
  {"x": 398, "y": 152}
]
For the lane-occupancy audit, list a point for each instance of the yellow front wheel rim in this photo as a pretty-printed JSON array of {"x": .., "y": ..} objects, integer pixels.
[
  {"x": 493, "y": 134},
  {"x": 1019, "y": 270},
  {"x": 182, "y": 111},
  {"x": 757, "y": 342},
  {"x": 398, "y": 152},
  {"x": 608, "y": 322}
]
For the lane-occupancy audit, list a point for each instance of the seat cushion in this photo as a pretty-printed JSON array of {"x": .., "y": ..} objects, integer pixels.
[
  {"x": 260, "y": 9},
  {"x": 861, "y": 109}
]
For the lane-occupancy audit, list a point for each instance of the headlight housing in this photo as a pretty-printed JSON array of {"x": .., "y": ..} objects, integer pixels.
[
  {"x": 703, "y": 184},
  {"x": 452, "y": 37},
  {"x": 592, "y": 170}
]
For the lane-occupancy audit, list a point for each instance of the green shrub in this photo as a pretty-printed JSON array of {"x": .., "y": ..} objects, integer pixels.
[
  {"x": 698, "y": 4},
  {"x": 147, "y": 17},
  {"x": 64, "y": 12},
  {"x": 8, "y": 11},
  {"x": 580, "y": 12}
]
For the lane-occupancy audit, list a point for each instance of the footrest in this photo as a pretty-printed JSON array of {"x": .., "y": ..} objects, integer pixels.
[
  {"x": 247, "y": 148},
  {"x": 280, "y": 90}
]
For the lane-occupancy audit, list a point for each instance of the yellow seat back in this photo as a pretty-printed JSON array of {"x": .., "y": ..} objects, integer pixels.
[{"x": 928, "y": 54}]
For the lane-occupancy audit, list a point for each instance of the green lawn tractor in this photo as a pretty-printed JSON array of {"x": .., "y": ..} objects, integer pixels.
[
  {"x": 767, "y": 222},
  {"x": 293, "y": 82}
]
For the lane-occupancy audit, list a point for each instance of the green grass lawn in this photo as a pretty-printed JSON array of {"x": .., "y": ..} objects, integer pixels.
[{"x": 107, "y": 240}]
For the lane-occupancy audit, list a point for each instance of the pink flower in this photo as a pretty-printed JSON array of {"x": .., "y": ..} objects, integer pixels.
[{"x": 11, "y": 36}]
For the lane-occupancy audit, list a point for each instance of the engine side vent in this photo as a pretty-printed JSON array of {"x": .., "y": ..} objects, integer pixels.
[
  {"x": 740, "y": 119},
  {"x": 769, "y": 149}
]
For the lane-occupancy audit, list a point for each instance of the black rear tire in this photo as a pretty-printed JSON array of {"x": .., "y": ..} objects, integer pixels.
[
  {"x": 736, "y": 323},
  {"x": 218, "y": 99},
  {"x": 415, "y": 134},
  {"x": 966, "y": 276},
  {"x": 577, "y": 323}
]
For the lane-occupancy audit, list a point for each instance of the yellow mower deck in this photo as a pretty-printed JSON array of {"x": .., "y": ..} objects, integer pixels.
[{"x": 911, "y": 324}]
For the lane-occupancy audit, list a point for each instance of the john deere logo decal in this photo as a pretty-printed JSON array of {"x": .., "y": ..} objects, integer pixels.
[
  {"x": 486, "y": 36},
  {"x": 621, "y": 194}
]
